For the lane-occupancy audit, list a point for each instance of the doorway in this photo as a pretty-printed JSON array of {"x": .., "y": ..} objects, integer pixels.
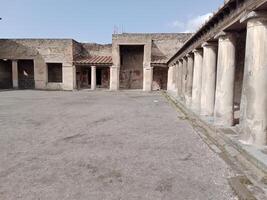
[
  {"x": 6, "y": 74},
  {"x": 26, "y": 74}
]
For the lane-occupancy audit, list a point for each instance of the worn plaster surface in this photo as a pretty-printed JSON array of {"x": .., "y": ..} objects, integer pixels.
[{"x": 103, "y": 145}]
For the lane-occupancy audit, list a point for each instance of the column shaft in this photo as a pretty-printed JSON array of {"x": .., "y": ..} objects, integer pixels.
[
  {"x": 189, "y": 81},
  {"x": 254, "y": 95},
  {"x": 170, "y": 78},
  {"x": 114, "y": 78},
  {"x": 93, "y": 77},
  {"x": 179, "y": 78},
  {"x": 224, "y": 99},
  {"x": 197, "y": 81},
  {"x": 208, "y": 79},
  {"x": 15, "y": 77},
  {"x": 184, "y": 78},
  {"x": 148, "y": 79}
]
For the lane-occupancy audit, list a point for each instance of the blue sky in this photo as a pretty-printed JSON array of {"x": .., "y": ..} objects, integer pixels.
[{"x": 94, "y": 20}]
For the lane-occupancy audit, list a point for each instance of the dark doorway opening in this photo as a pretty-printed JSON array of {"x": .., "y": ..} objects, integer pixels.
[
  {"x": 6, "y": 74},
  {"x": 160, "y": 76},
  {"x": 83, "y": 77},
  {"x": 26, "y": 74},
  {"x": 98, "y": 77},
  {"x": 131, "y": 69}
]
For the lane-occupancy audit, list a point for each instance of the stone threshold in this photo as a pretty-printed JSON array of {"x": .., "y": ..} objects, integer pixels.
[{"x": 246, "y": 160}]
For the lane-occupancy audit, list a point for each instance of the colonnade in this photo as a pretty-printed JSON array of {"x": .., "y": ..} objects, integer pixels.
[{"x": 204, "y": 79}]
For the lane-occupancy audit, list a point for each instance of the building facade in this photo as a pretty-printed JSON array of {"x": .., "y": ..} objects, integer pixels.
[{"x": 65, "y": 64}]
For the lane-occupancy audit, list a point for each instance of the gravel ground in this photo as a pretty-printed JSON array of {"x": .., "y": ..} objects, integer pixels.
[{"x": 103, "y": 146}]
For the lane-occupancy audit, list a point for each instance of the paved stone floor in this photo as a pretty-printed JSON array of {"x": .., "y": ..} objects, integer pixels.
[{"x": 103, "y": 146}]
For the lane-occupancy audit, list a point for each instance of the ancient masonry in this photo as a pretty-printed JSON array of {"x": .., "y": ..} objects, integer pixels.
[{"x": 219, "y": 72}]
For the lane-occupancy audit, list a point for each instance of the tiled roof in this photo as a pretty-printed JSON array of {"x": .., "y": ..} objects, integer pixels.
[{"x": 95, "y": 60}]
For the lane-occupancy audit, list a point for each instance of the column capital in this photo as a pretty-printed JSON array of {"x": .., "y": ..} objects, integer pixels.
[
  {"x": 210, "y": 44},
  {"x": 260, "y": 15},
  {"x": 226, "y": 35},
  {"x": 184, "y": 58},
  {"x": 189, "y": 55},
  {"x": 197, "y": 50}
]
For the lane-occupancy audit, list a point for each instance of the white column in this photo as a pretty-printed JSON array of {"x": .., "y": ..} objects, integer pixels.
[
  {"x": 224, "y": 98},
  {"x": 197, "y": 80},
  {"x": 15, "y": 77},
  {"x": 208, "y": 79},
  {"x": 174, "y": 83},
  {"x": 184, "y": 78},
  {"x": 93, "y": 77},
  {"x": 114, "y": 78},
  {"x": 179, "y": 77},
  {"x": 189, "y": 81},
  {"x": 170, "y": 78},
  {"x": 148, "y": 79},
  {"x": 254, "y": 96}
]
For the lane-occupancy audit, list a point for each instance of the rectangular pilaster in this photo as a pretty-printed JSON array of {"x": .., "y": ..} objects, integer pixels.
[
  {"x": 148, "y": 79},
  {"x": 15, "y": 77},
  {"x": 114, "y": 78}
]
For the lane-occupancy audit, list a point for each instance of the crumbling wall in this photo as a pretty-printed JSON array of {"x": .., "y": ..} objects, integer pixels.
[
  {"x": 93, "y": 49},
  {"x": 42, "y": 51},
  {"x": 165, "y": 45}
]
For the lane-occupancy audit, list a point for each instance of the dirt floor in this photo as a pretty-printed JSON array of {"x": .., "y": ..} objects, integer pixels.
[{"x": 103, "y": 146}]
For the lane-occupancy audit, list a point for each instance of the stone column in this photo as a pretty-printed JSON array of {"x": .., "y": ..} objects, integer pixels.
[
  {"x": 93, "y": 77},
  {"x": 174, "y": 83},
  {"x": 189, "y": 81},
  {"x": 171, "y": 71},
  {"x": 197, "y": 80},
  {"x": 184, "y": 78},
  {"x": 208, "y": 79},
  {"x": 148, "y": 78},
  {"x": 224, "y": 98},
  {"x": 179, "y": 77},
  {"x": 114, "y": 78},
  {"x": 15, "y": 76},
  {"x": 254, "y": 95}
]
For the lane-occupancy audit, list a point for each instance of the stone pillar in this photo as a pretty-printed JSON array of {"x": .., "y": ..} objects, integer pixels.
[
  {"x": 208, "y": 79},
  {"x": 93, "y": 77},
  {"x": 114, "y": 78},
  {"x": 171, "y": 72},
  {"x": 224, "y": 98},
  {"x": 68, "y": 73},
  {"x": 189, "y": 81},
  {"x": 184, "y": 78},
  {"x": 174, "y": 83},
  {"x": 197, "y": 80},
  {"x": 179, "y": 77},
  {"x": 15, "y": 76},
  {"x": 148, "y": 79},
  {"x": 254, "y": 95}
]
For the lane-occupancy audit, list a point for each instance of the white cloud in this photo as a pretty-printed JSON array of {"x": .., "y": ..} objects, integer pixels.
[{"x": 192, "y": 24}]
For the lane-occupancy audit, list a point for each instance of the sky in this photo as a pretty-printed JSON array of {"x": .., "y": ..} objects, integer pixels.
[{"x": 96, "y": 20}]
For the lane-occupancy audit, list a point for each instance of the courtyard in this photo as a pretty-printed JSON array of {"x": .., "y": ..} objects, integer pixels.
[{"x": 103, "y": 145}]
